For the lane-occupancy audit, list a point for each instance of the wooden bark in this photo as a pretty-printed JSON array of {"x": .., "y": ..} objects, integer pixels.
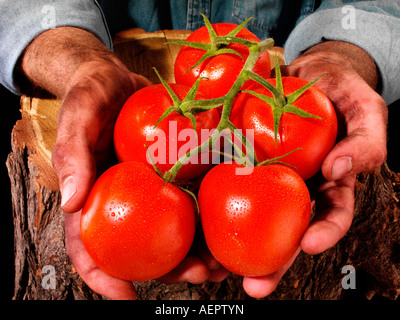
[{"x": 372, "y": 246}]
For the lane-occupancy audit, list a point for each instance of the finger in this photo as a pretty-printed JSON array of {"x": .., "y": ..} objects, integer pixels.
[
  {"x": 85, "y": 126},
  {"x": 73, "y": 154},
  {"x": 139, "y": 81},
  {"x": 96, "y": 279},
  {"x": 197, "y": 267},
  {"x": 364, "y": 147},
  {"x": 359, "y": 152},
  {"x": 334, "y": 214},
  {"x": 362, "y": 115},
  {"x": 191, "y": 269},
  {"x": 217, "y": 272},
  {"x": 260, "y": 287}
]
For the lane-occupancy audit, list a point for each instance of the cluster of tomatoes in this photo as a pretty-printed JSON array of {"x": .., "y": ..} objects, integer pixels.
[{"x": 137, "y": 226}]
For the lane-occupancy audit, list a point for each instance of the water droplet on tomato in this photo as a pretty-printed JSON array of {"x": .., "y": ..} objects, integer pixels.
[{"x": 238, "y": 206}]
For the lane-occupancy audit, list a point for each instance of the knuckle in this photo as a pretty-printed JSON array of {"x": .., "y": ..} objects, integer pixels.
[
  {"x": 58, "y": 157},
  {"x": 375, "y": 154},
  {"x": 376, "y": 151},
  {"x": 380, "y": 156}
]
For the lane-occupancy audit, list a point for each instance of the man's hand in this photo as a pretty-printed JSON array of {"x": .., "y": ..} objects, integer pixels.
[
  {"x": 93, "y": 85},
  {"x": 97, "y": 91},
  {"x": 350, "y": 83}
]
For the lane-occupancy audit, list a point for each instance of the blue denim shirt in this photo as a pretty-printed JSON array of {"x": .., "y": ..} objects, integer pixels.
[
  {"x": 294, "y": 24},
  {"x": 272, "y": 18}
]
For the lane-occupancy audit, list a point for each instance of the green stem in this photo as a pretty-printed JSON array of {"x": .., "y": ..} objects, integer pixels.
[
  {"x": 249, "y": 148},
  {"x": 254, "y": 52}
]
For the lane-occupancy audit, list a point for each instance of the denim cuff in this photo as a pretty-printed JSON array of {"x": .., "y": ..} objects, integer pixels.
[
  {"x": 376, "y": 33},
  {"x": 22, "y": 21}
]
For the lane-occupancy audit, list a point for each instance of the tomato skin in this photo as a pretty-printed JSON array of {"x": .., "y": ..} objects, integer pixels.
[
  {"x": 221, "y": 71},
  {"x": 253, "y": 223},
  {"x": 133, "y": 227},
  {"x": 316, "y": 137},
  {"x": 134, "y": 129}
]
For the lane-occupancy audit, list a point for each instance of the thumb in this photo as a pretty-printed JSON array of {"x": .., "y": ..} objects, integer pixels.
[
  {"x": 95, "y": 278},
  {"x": 358, "y": 152},
  {"x": 76, "y": 169},
  {"x": 73, "y": 155},
  {"x": 85, "y": 126}
]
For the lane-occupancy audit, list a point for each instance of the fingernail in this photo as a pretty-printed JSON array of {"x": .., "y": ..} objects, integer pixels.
[
  {"x": 341, "y": 167},
  {"x": 68, "y": 190}
]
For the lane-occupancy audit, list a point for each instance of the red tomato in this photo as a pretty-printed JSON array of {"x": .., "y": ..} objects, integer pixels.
[
  {"x": 316, "y": 137},
  {"x": 253, "y": 223},
  {"x": 172, "y": 138},
  {"x": 133, "y": 227},
  {"x": 222, "y": 70}
]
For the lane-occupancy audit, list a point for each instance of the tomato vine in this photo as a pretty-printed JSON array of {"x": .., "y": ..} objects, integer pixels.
[{"x": 279, "y": 103}]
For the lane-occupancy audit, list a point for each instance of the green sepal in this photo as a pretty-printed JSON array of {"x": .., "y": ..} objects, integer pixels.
[
  {"x": 300, "y": 112},
  {"x": 153, "y": 163},
  {"x": 213, "y": 53},
  {"x": 191, "y": 95},
  {"x": 225, "y": 40},
  {"x": 270, "y": 101},
  {"x": 210, "y": 29},
  {"x": 172, "y": 94},
  {"x": 276, "y": 111},
  {"x": 280, "y": 103},
  {"x": 229, "y": 51},
  {"x": 279, "y": 97},
  {"x": 295, "y": 95},
  {"x": 235, "y": 31},
  {"x": 189, "y": 104},
  {"x": 166, "y": 114},
  {"x": 192, "y": 118},
  {"x": 278, "y": 76},
  {"x": 277, "y": 114},
  {"x": 276, "y": 160}
]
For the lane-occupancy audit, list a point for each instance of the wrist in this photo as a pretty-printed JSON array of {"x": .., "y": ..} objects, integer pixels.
[
  {"x": 348, "y": 55},
  {"x": 53, "y": 58}
]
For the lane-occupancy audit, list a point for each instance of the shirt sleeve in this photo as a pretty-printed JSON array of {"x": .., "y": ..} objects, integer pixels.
[
  {"x": 372, "y": 25},
  {"x": 22, "y": 20}
]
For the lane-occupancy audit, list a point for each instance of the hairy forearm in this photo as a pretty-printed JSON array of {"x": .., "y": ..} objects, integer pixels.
[
  {"x": 349, "y": 55},
  {"x": 54, "y": 56}
]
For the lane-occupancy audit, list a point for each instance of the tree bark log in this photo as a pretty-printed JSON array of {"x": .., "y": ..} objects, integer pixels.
[{"x": 44, "y": 271}]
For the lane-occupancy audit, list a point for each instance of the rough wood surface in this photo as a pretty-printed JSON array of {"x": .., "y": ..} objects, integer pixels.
[{"x": 372, "y": 246}]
